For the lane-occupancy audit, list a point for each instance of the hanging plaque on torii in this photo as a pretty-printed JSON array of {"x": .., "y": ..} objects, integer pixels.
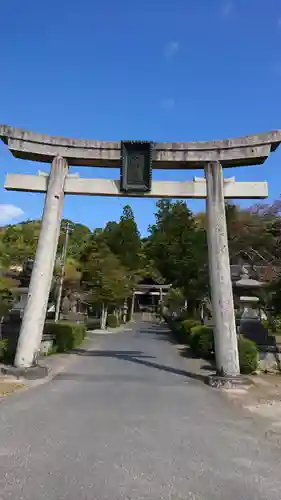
[{"x": 136, "y": 166}]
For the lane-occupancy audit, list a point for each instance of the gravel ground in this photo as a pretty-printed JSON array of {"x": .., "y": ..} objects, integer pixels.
[{"x": 124, "y": 421}]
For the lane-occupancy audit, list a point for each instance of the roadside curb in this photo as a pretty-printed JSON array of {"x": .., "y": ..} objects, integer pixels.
[
  {"x": 33, "y": 373},
  {"x": 55, "y": 364},
  {"x": 56, "y": 367}
]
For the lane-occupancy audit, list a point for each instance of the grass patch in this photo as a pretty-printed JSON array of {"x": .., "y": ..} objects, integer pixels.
[{"x": 9, "y": 387}]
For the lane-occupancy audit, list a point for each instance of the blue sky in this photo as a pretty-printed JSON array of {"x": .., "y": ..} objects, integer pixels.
[{"x": 182, "y": 70}]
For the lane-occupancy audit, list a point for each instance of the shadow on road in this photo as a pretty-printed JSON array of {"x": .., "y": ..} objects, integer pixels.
[
  {"x": 159, "y": 332},
  {"x": 162, "y": 332},
  {"x": 139, "y": 358}
]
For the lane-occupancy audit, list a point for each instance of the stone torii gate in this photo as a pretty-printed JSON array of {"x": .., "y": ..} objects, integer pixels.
[{"x": 211, "y": 156}]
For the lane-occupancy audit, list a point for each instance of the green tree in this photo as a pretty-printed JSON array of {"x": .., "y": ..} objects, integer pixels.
[
  {"x": 174, "y": 300},
  {"x": 105, "y": 279},
  {"x": 78, "y": 238},
  {"x": 253, "y": 233},
  {"x": 179, "y": 250},
  {"x": 19, "y": 242},
  {"x": 123, "y": 239},
  {"x": 72, "y": 287},
  {"x": 6, "y": 294}
]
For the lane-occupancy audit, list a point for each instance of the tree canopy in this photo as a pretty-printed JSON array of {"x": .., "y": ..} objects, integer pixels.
[
  {"x": 123, "y": 239},
  {"x": 253, "y": 232},
  {"x": 177, "y": 246},
  {"x": 104, "y": 277}
]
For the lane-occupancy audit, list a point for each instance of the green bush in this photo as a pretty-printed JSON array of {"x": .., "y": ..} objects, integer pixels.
[
  {"x": 181, "y": 327},
  {"x": 8, "y": 349},
  {"x": 66, "y": 335},
  {"x": 178, "y": 331},
  {"x": 248, "y": 355},
  {"x": 3, "y": 349},
  {"x": 93, "y": 323},
  {"x": 187, "y": 325},
  {"x": 202, "y": 340},
  {"x": 112, "y": 321},
  {"x": 176, "y": 327},
  {"x": 202, "y": 344}
]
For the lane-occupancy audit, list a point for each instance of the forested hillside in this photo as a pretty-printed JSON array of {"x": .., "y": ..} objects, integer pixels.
[{"x": 107, "y": 263}]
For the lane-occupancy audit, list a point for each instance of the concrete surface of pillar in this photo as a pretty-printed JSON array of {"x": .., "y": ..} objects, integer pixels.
[
  {"x": 62, "y": 271},
  {"x": 42, "y": 273},
  {"x": 227, "y": 360}
]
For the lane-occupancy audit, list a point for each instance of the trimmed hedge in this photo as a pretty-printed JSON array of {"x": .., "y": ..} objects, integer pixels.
[
  {"x": 202, "y": 340},
  {"x": 93, "y": 323},
  {"x": 66, "y": 335},
  {"x": 3, "y": 349},
  {"x": 187, "y": 325},
  {"x": 181, "y": 327},
  {"x": 8, "y": 349},
  {"x": 112, "y": 321},
  {"x": 183, "y": 316},
  {"x": 178, "y": 331},
  {"x": 248, "y": 355},
  {"x": 202, "y": 344}
]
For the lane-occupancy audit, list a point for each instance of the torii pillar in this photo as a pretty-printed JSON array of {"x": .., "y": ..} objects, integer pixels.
[
  {"x": 227, "y": 359},
  {"x": 211, "y": 156},
  {"x": 42, "y": 273}
]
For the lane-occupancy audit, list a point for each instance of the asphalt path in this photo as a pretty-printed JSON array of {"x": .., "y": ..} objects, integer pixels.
[{"x": 125, "y": 421}]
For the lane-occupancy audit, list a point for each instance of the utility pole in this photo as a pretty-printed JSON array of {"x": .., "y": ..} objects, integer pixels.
[{"x": 67, "y": 229}]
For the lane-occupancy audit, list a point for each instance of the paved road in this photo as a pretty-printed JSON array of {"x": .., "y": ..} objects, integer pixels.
[{"x": 125, "y": 422}]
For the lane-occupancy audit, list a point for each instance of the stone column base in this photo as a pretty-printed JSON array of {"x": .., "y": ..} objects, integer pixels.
[
  {"x": 228, "y": 382},
  {"x": 31, "y": 373}
]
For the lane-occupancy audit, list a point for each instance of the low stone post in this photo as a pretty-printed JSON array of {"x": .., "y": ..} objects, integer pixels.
[
  {"x": 42, "y": 273},
  {"x": 227, "y": 360}
]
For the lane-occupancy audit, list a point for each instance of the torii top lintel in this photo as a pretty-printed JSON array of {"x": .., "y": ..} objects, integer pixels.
[{"x": 248, "y": 150}]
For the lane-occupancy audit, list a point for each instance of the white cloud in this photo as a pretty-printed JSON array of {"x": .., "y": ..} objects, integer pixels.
[
  {"x": 168, "y": 104},
  {"x": 171, "y": 49},
  {"x": 9, "y": 212},
  {"x": 227, "y": 8}
]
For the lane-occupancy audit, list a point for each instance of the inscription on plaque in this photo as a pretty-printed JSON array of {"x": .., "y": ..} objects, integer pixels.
[{"x": 136, "y": 166}]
